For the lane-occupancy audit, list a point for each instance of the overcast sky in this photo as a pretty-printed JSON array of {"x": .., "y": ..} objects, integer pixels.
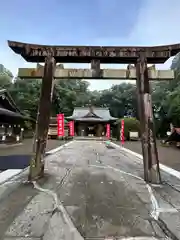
[{"x": 87, "y": 22}]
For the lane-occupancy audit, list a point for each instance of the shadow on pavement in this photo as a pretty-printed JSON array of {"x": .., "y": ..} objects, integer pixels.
[
  {"x": 18, "y": 156},
  {"x": 14, "y": 162}
]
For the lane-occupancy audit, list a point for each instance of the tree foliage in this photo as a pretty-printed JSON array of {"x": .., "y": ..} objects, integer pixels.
[
  {"x": 130, "y": 125},
  {"x": 120, "y": 99}
]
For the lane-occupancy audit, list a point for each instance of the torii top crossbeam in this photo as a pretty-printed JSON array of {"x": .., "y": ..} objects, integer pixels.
[{"x": 85, "y": 54}]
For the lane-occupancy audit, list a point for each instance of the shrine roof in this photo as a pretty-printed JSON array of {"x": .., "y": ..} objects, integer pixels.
[
  {"x": 8, "y": 107},
  {"x": 96, "y": 114},
  {"x": 85, "y": 54},
  {"x": 7, "y": 102}
]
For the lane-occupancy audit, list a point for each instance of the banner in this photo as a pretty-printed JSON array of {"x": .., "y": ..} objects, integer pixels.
[
  {"x": 122, "y": 132},
  {"x": 71, "y": 128},
  {"x": 60, "y": 125},
  {"x": 108, "y": 131}
]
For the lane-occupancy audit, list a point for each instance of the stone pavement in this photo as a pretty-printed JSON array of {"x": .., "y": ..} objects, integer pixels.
[{"x": 90, "y": 192}]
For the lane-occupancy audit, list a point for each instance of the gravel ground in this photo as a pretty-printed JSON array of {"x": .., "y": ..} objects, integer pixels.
[
  {"x": 25, "y": 148},
  {"x": 102, "y": 191},
  {"x": 167, "y": 155},
  {"x": 18, "y": 156}
]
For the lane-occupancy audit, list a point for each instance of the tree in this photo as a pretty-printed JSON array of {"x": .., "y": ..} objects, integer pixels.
[
  {"x": 130, "y": 125},
  {"x": 120, "y": 99},
  {"x": 70, "y": 93},
  {"x": 5, "y": 77},
  {"x": 26, "y": 94}
]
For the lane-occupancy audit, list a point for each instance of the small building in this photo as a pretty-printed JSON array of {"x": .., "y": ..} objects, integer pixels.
[
  {"x": 11, "y": 119},
  {"x": 53, "y": 128},
  {"x": 91, "y": 121}
]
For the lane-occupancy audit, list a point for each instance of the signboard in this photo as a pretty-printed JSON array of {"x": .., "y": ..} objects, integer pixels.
[
  {"x": 133, "y": 135},
  {"x": 60, "y": 124},
  {"x": 108, "y": 130},
  {"x": 71, "y": 128},
  {"x": 122, "y": 132},
  {"x": 98, "y": 52}
]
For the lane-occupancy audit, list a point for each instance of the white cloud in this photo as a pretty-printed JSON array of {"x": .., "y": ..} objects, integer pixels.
[{"x": 157, "y": 24}]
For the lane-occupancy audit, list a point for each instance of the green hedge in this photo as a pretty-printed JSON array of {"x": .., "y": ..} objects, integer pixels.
[{"x": 130, "y": 125}]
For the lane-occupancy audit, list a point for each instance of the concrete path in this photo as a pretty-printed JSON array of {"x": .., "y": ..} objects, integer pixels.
[{"x": 90, "y": 192}]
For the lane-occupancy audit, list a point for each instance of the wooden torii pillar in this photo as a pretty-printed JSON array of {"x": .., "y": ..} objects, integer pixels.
[
  {"x": 139, "y": 56},
  {"x": 43, "y": 117},
  {"x": 148, "y": 136}
]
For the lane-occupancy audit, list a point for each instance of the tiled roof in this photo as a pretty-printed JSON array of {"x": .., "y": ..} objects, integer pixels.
[
  {"x": 98, "y": 114},
  {"x": 9, "y": 108},
  {"x": 6, "y": 112},
  {"x": 11, "y": 103}
]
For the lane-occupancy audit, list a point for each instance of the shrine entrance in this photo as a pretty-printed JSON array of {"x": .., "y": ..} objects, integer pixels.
[{"x": 139, "y": 57}]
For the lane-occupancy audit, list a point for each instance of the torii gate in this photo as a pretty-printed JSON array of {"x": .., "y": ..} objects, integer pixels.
[{"x": 139, "y": 56}]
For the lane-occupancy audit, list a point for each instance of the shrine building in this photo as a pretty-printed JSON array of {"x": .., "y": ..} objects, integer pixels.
[{"x": 91, "y": 121}]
